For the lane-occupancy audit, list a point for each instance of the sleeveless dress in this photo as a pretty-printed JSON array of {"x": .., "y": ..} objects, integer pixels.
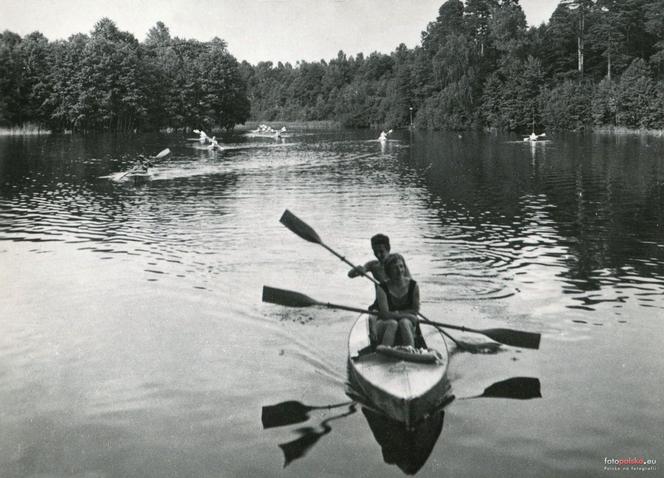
[
  {"x": 404, "y": 303},
  {"x": 400, "y": 303}
]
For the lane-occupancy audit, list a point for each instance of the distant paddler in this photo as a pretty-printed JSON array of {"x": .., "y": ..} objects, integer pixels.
[
  {"x": 214, "y": 144},
  {"x": 142, "y": 164},
  {"x": 534, "y": 137},
  {"x": 383, "y": 136},
  {"x": 202, "y": 137}
]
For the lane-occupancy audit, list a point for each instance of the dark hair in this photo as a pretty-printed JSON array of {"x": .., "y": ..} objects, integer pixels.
[{"x": 380, "y": 239}]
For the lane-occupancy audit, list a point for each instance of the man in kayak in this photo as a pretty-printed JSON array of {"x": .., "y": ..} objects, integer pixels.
[
  {"x": 143, "y": 164},
  {"x": 380, "y": 244}
]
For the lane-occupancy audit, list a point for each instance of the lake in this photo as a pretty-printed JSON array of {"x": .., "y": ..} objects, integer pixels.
[{"x": 134, "y": 342}]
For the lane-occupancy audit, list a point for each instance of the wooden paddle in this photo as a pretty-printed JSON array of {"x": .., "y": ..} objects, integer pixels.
[
  {"x": 289, "y": 298},
  {"x": 163, "y": 153},
  {"x": 306, "y": 232}
]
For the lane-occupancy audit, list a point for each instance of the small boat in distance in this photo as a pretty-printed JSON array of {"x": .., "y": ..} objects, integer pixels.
[
  {"x": 141, "y": 169},
  {"x": 265, "y": 131},
  {"x": 383, "y": 136},
  {"x": 535, "y": 137}
]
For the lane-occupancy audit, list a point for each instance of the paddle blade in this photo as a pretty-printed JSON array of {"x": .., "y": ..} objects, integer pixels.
[
  {"x": 286, "y": 297},
  {"x": 299, "y": 227},
  {"x": 516, "y": 338},
  {"x": 197, "y": 131},
  {"x": 284, "y": 413},
  {"x": 163, "y": 153},
  {"x": 518, "y": 388}
]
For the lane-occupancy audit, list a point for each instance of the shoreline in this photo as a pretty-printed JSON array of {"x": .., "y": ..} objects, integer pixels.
[
  {"x": 23, "y": 131},
  {"x": 330, "y": 124},
  {"x": 621, "y": 130}
]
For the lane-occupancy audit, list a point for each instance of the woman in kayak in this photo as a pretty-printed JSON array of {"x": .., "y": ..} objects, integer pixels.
[{"x": 398, "y": 301}]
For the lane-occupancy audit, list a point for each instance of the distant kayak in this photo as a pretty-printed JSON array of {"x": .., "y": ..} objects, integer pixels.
[
  {"x": 129, "y": 176},
  {"x": 258, "y": 134},
  {"x": 535, "y": 137}
]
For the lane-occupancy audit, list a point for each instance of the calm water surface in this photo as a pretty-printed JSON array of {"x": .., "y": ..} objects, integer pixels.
[{"x": 134, "y": 343}]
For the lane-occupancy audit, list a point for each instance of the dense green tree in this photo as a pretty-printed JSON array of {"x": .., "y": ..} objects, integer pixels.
[
  {"x": 637, "y": 97},
  {"x": 654, "y": 14},
  {"x": 604, "y": 103},
  {"x": 582, "y": 9},
  {"x": 566, "y": 106},
  {"x": 607, "y": 36},
  {"x": 11, "y": 69},
  {"x": 558, "y": 48},
  {"x": 510, "y": 99},
  {"x": 449, "y": 21},
  {"x": 477, "y": 65}
]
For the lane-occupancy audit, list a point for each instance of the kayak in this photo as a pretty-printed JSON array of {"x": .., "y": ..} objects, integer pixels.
[
  {"x": 139, "y": 176},
  {"x": 276, "y": 134},
  {"x": 405, "y": 390}
]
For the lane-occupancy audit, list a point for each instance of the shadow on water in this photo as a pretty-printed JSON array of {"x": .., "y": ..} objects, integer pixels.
[
  {"x": 406, "y": 447},
  {"x": 409, "y": 449}
]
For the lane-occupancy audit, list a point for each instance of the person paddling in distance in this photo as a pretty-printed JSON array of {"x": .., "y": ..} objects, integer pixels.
[
  {"x": 143, "y": 164},
  {"x": 398, "y": 300},
  {"x": 214, "y": 144},
  {"x": 380, "y": 244}
]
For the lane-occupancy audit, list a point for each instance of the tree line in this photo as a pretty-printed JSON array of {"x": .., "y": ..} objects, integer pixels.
[
  {"x": 108, "y": 81},
  {"x": 478, "y": 65},
  {"x": 594, "y": 63}
]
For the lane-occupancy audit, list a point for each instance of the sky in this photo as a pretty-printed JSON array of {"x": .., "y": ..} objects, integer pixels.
[{"x": 255, "y": 30}]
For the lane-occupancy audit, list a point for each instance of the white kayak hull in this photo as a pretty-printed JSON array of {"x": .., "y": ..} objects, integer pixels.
[{"x": 403, "y": 390}]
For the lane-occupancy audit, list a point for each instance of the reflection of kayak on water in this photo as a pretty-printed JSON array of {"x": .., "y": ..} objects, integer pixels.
[{"x": 407, "y": 448}]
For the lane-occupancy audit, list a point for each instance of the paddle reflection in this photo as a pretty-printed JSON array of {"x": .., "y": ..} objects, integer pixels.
[
  {"x": 309, "y": 436},
  {"x": 408, "y": 448},
  {"x": 291, "y": 412}
]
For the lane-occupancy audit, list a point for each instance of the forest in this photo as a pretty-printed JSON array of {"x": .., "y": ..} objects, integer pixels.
[{"x": 595, "y": 63}]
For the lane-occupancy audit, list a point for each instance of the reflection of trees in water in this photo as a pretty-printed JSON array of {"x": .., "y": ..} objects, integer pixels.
[
  {"x": 612, "y": 220},
  {"x": 603, "y": 198}
]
